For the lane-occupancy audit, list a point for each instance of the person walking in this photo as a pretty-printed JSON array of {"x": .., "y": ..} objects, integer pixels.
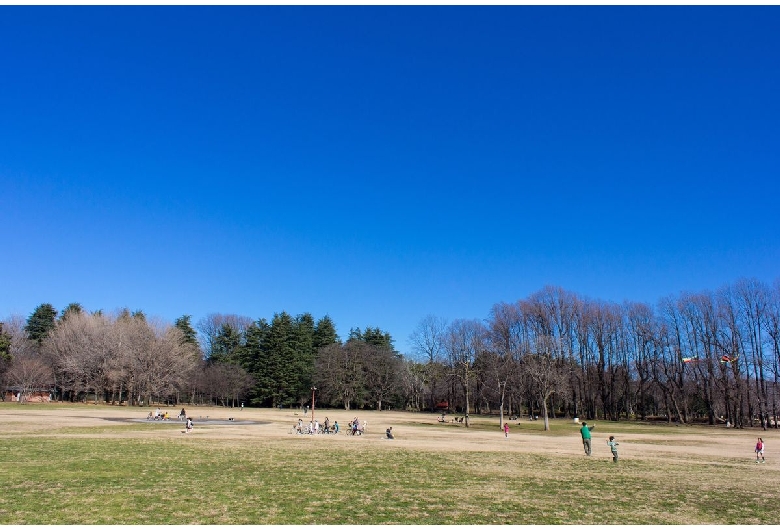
[
  {"x": 585, "y": 432},
  {"x": 613, "y": 447},
  {"x": 760, "y": 451},
  {"x": 506, "y": 430}
]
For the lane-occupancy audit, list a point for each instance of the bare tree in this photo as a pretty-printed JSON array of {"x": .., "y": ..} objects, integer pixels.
[
  {"x": 427, "y": 341},
  {"x": 505, "y": 336},
  {"x": 212, "y": 326},
  {"x": 339, "y": 373},
  {"x": 382, "y": 373},
  {"x": 28, "y": 373},
  {"x": 545, "y": 372},
  {"x": 464, "y": 341}
]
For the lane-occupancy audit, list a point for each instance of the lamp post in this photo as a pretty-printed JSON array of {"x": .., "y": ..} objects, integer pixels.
[
  {"x": 313, "y": 390},
  {"x": 501, "y": 395}
]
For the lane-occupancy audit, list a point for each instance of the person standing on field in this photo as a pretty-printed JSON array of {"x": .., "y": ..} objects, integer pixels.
[
  {"x": 506, "y": 430},
  {"x": 760, "y": 450},
  {"x": 585, "y": 432},
  {"x": 613, "y": 447}
]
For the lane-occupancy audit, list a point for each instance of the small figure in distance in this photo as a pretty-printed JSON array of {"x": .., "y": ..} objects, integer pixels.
[
  {"x": 336, "y": 427},
  {"x": 389, "y": 433},
  {"x": 506, "y": 430},
  {"x": 585, "y": 432},
  {"x": 182, "y": 415},
  {"x": 760, "y": 451},
  {"x": 189, "y": 426},
  {"x": 613, "y": 447}
]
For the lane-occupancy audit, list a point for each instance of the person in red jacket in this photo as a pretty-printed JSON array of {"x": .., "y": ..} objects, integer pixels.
[{"x": 760, "y": 451}]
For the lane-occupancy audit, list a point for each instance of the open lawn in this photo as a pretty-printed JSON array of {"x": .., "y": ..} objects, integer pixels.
[{"x": 87, "y": 464}]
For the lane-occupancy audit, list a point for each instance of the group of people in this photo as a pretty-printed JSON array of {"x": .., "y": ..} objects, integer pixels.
[
  {"x": 315, "y": 427},
  {"x": 159, "y": 415},
  {"x": 354, "y": 428}
]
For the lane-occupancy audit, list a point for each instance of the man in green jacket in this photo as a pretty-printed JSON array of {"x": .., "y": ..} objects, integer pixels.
[{"x": 585, "y": 432}]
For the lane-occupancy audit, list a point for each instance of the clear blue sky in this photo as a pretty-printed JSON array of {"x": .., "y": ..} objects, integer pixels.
[{"x": 379, "y": 164}]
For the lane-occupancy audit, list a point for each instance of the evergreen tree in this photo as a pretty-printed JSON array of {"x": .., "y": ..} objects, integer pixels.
[
  {"x": 281, "y": 367},
  {"x": 5, "y": 344},
  {"x": 40, "y": 322},
  {"x": 185, "y": 326},
  {"x": 377, "y": 337},
  {"x": 304, "y": 353},
  {"x": 325, "y": 333},
  {"x": 253, "y": 359},
  {"x": 73, "y": 308},
  {"x": 225, "y": 348},
  {"x": 355, "y": 334}
]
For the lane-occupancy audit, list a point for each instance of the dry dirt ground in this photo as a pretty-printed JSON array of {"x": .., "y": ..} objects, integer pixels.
[{"x": 413, "y": 430}]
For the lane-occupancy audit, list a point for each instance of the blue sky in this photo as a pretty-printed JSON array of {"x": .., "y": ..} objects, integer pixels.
[{"x": 379, "y": 164}]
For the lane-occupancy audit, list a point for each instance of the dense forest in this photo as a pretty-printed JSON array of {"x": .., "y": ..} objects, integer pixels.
[{"x": 697, "y": 357}]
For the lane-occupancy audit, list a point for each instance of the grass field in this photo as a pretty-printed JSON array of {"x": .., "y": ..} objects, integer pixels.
[{"x": 86, "y": 464}]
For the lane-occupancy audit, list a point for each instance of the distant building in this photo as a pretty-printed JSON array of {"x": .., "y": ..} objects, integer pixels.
[{"x": 36, "y": 395}]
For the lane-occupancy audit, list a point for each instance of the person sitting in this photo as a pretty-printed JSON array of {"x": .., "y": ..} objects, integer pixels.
[{"x": 389, "y": 433}]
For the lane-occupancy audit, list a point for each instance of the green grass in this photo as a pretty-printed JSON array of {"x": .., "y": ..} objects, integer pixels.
[{"x": 79, "y": 476}]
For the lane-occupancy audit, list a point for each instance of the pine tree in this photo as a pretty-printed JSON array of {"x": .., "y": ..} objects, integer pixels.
[
  {"x": 325, "y": 333},
  {"x": 41, "y": 322},
  {"x": 281, "y": 364},
  {"x": 185, "y": 326},
  {"x": 5, "y": 345},
  {"x": 73, "y": 308},
  {"x": 253, "y": 358},
  {"x": 225, "y": 348}
]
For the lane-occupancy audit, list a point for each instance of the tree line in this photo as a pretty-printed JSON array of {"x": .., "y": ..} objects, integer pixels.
[
  {"x": 706, "y": 356},
  {"x": 128, "y": 358}
]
